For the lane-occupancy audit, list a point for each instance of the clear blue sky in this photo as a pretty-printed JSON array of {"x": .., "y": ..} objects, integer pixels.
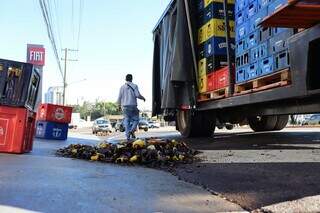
[{"x": 116, "y": 39}]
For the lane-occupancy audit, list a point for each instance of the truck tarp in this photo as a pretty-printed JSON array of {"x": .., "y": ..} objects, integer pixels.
[{"x": 173, "y": 62}]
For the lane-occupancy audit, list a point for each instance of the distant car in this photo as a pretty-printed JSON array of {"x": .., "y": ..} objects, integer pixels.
[
  {"x": 152, "y": 124},
  {"x": 101, "y": 126},
  {"x": 143, "y": 125},
  {"x": 313, "y": 120},
  {"x": 119, "y": 127}
]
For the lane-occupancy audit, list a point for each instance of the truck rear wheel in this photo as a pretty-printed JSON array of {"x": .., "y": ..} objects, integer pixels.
[
  {"x": 282, "y": 121},
  {"x": 194, "y": 124},
  {"x": 263, "y": 123}
]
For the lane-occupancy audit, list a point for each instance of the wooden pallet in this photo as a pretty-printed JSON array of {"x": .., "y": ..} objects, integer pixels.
[
  {"x": 278, "y": 79},
  {"x": 214, "y": 95}
]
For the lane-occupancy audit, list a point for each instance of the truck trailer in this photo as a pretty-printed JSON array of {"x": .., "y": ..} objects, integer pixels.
[{"x": 263, "y": 106}]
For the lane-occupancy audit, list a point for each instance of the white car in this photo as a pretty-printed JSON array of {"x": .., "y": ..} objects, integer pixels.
[{"x": 101, "y": 125}]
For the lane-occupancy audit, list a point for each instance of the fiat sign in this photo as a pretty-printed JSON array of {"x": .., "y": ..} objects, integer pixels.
[{"x": 36, "y": 55}]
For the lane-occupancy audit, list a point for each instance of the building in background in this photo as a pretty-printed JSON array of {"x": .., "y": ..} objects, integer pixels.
[{"x": 54, "y": 95}]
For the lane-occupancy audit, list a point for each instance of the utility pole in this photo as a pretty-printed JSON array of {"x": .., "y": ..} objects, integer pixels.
[{"x": 65, "y": 59}]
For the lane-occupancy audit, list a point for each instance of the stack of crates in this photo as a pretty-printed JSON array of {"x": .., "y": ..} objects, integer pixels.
[
  {"x": 19, "y": 85},
  {"x": 53, "y": 122},
  {"x": 259, "y": 51},
  {"x": 212, "y": 51}
]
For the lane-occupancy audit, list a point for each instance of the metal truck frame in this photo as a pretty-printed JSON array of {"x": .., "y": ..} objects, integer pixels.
[{"x": 266, "y": 110}]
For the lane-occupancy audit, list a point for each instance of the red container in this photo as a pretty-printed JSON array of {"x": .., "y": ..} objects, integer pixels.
[
  {"x": 221, "y": 78},
  {"x": 54, "y": 113},
  {"x": 211, "y": 82},
  {"x": 17, "y": 128}
]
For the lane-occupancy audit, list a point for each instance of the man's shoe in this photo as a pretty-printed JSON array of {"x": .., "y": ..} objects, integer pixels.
[{"x": 133, "y": 136}]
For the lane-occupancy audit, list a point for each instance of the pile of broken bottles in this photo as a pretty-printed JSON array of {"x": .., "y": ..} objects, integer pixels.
[{"x": 150, "y": 152}]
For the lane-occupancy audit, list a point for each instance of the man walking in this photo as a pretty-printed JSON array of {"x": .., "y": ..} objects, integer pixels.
[{"x": 127, "y": 100}]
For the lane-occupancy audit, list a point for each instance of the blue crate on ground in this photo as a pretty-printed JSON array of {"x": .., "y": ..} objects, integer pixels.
[
  {"x": 51, "y": 130},
  {"x": 240, "y": 5},
  {"x": 217, "y": 46},
  {"x": 280, "y": 41},
  {"x": 253, "y": 71},
  {"x": 241, "y": 74},
  {"x": 242, "y": 31},
  {"x": 275, "y": 5},
  {"x": 281, "y": 60},
  {"x": 216, "y": 10},
  {"x": 243, "y": 59},
  {"x": 252, "y": 8},
  {"x": 263, "y": 4},
  {"x": 253, "y": 39},
  {"x": 241, "y": 47},
  {"x": 265, "y": 33},
  {"x": 256, "y": 19},
  {"x": 241, "y": 18},
  {"x": 266, "y": 65}
]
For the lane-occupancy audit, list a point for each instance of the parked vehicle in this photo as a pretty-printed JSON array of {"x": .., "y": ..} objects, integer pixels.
[
  {"x": 143, "y": 125},
  {"x": 101, "y": 126},
  {"x": 263, "y": 104},
  {"x": 313, "y": 120},
  {"x": 153, "y": 125},
  {"x": 119, "y": 127}
]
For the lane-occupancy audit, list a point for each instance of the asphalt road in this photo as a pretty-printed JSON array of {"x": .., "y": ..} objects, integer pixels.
[
  {"x": 257, "y": 170},
  {"x": 42, "y": 182}
]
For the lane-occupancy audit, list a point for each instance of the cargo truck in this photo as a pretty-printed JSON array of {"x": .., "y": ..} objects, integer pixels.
[{"x": 265, "y": 105}]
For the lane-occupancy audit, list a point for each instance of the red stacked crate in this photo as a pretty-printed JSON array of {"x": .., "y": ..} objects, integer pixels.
[
  {"x": 53, "y": 122},
  {"x": 19, "y": 90}
]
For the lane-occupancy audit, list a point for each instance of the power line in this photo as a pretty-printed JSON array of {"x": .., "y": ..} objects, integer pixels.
[
  {"x": 80, "y": 21},
  {"x": 47, "y": 21}
]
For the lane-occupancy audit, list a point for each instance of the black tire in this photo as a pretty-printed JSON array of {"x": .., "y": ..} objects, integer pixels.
[
  {"x": 262, "y": 123},
  {"x": 229, "y": 126},
  {"x": 282, "y": 121},
  {"x": 195, "y": 124},
  {"x": 146, "y": 129}
]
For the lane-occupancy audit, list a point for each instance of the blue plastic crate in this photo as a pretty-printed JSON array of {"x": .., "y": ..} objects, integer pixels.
[
  {"x": 254, "y": 54},
  {"x": 240, "y": 5},
  {"x": 241, "y": 18},
  {"x": 242, "y": 31},
  {"x": 201, "y": 51},
  {"x": 216, "y": 10},
  {"x": 256, "y": 19},
  {"x": 264, "y": 49},
  {"x": 200, "y": 5},
  {"x": 241, "y": 47},
  {"x": 51, "y": 130},
  {"x": 241, "y": 74},
  {"x": 217, "y": 46},
  {"x": 275, "y": 5},
  {"x": 243, "y": 59},
  {"x": 266, "y": 65},
  {"x": 281, "y": 60},
  {"x": 265, "y": 33},
  {"x": 253, "y": 39},
  {"x": 252, "y": 8},
  {"x": 279, "y": 42},
  {"x": 278, "y": 30},
  {"x": 252, "y": 71},
  {"x": 263, "y": 3}
]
